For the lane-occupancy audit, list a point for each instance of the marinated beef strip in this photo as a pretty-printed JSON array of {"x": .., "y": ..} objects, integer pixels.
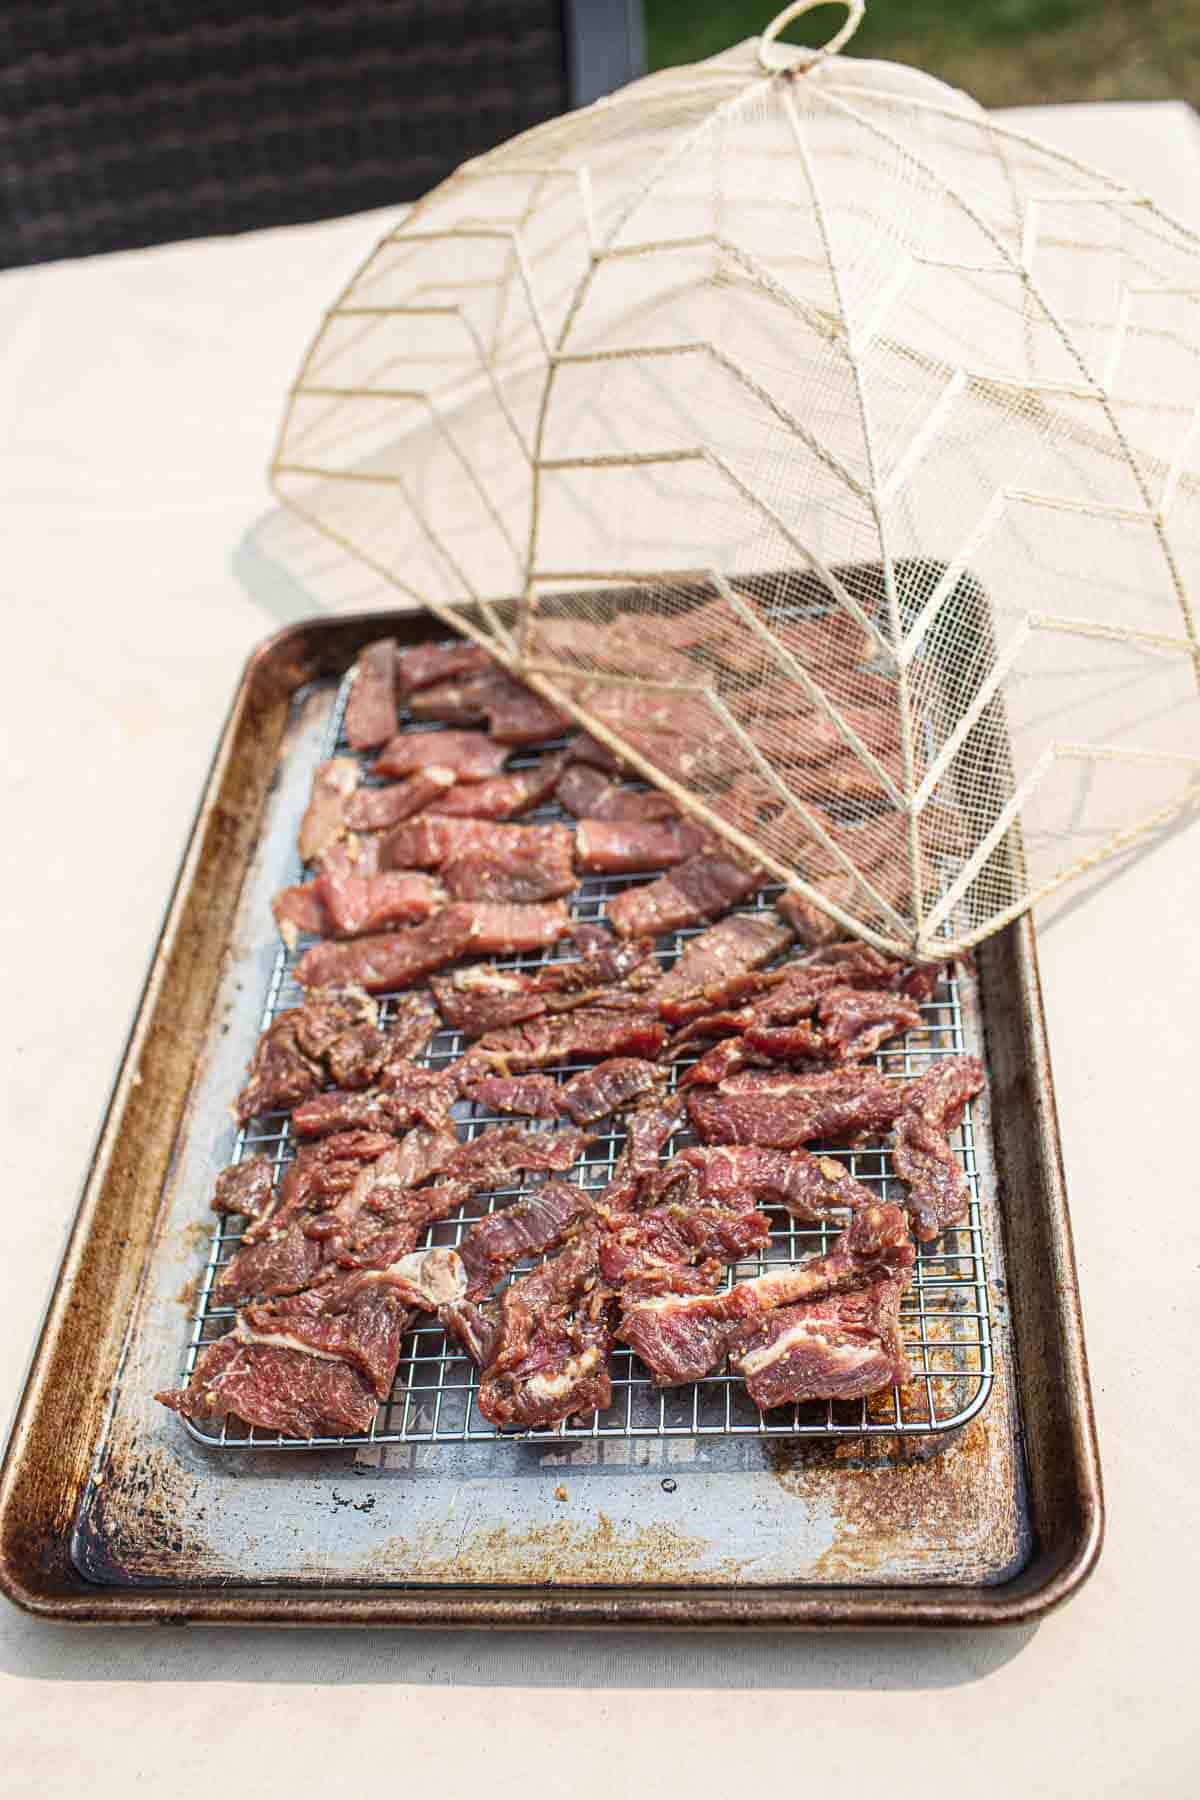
[
  {"x": 500, "y": 929},
  {"x": 393, "y": 960},
  {"x": 733, "y": 947},
  {"x": 598, "y": 1092},
  {"x": 588, "y": 1034},
  {"x": 530, "y": 1096},
  {"x": 539, "y": 870},
  {"x": 406, "y": 1095},
  {"x": 375, "y": 809},
  {"x": 277, "y": 1255},
  {"x": 371, "y": 709},
  {"x": 696, "y": 890},
  {"x": 586, "y": 749},
  {"x": 490, "y": 1162},
  {"x": 359, "y": 1316},
  {"x": 289, "y": 1061},
  {"x": 479, "y": 999},
  {"x": 855, "y": 1021},
  {"x": 514, "y": 714},
  {"x": 324, "y": 820},
  {"x": 529, "y": 1228},
  {"x": 289, "y": 1391},
  {"x": 647, "y": 1129},
  {"x": 356, "y": 905},
  {"x": 502, "y": 796},
  {"x": 245, "y": 1188},
  {"x": 298, "y": 911},
  {"x": 619, "y": 848},
  {"x": 938, "y": 1194},
  {"x": 431, "y": 840},
  {"x": 683, "y": 1336},
  {"x": 426, "y": 664},
  {"x": 810, "y": 924},
  {"x": 589, "y": 794},
  {"x": 813, "y": 1189},
  {"x": 550, "y": 1355},
  {"x": 470, "y": 754},
  {"x": 784, "y": 1110},
  {"x": 675, "y": 1233}
]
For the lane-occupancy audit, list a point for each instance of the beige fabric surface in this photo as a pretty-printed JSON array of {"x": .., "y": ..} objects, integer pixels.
[{"x": 140, "y": 396}]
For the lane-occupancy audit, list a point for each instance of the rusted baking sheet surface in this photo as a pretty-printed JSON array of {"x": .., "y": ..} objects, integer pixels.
[{"x": 163, "y": 1509}]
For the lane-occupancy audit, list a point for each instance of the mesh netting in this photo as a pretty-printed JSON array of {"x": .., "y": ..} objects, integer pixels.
[{"x": 826, "y": 446}]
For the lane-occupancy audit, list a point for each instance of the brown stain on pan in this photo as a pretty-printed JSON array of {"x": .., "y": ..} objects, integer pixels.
[
  {"x": 564, "y": 1554},
  {"x": 893, "y": 1509}
]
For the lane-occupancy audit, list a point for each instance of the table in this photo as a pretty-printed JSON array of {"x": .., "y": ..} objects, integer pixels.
[{"x": 141, "y": 396}]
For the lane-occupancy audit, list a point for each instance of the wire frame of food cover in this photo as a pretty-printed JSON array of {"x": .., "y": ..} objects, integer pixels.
[{"x": 826, "y": 445}]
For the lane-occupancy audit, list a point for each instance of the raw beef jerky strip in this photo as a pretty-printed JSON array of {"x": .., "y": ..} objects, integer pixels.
[
  {"x": 585, "y": 748},
  {"x": 513, "y": 712},
  {"x": 245, "y": 1188},
  {"x": 696, "y": 890},
  {"x": 282, "y": 1390},
  {"x": 393, "y": 960},
  {"x": 503, "y": 796},
  {"x": 425, "y": 664},
  {"x": 539, "y": 869},
  {"x": 432, "y": 839},
  {"x": 389, "y": 960},
  {"x": 490, "y": 1161},
  {"x": 530, "y": 1228},
  {"x": 855, "y": 1021},
  {"x": 587, "y": 1034},
  {"x": 646, "y": 1131},
  {"x": 375, "y": 809},
  {"x": 813, "y": 1189},
  {"x": 531, "y": 1096},
  {"x": 596, "y": 1093},
  {"x": 407, "y": 1095},
  {"x": 637, "y": 849},
  {"x": 325, "y": 817},
  {"x": 731, "y": 948},
  {"x": 550, "y": 1354},
  {"x": 298, "y": 910},
  {"x": 359, "y": 1316},
  {"x": 480, "y": 998},
  {"x": 683, "y": 1337},
  {"x": 673, "y": 1234},
  {"x": 288, "y": 1061},
  {"x": 938, "y": 1194},
  {"x": 589, "y": 794},
  {"x": 371, "y": 709},
  {"x": 356, "y": 905},
  {"x": 471, "y": 754},
  {"x": 786, "y": 1110},
  {"x": 276, "y": 1255}
]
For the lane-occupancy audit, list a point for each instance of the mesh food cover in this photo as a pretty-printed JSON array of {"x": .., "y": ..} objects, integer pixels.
[{"x": 826, "y": 446}]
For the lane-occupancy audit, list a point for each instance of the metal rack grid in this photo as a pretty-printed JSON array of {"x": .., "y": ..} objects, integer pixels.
[{"x": 944, "y": 1320}]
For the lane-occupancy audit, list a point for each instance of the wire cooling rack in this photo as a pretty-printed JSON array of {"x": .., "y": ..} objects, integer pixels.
[{"x": 944, "y": 1321}]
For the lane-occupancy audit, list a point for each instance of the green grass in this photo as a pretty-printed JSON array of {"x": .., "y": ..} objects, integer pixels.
[{"x": 1004, "y": 52}]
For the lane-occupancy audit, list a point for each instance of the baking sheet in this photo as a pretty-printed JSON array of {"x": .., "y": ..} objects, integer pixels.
[{"x": 161, "y": 1507}]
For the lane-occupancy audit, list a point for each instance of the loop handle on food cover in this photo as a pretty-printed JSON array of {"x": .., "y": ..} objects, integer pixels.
[{"x": 773, "y": 60}]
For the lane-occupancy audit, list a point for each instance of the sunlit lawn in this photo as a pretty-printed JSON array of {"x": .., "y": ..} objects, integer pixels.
[{"x": 1005, "y": 52}]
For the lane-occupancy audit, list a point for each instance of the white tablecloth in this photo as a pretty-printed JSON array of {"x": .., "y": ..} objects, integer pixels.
[{"x": 140, "y": 397}]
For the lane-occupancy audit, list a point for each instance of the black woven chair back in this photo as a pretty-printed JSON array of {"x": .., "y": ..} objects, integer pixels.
[{"x": 124, "y": 124}]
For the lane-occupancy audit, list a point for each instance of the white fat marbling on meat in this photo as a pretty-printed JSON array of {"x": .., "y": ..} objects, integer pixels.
[
  {"x": 553, "y": 1387},
  {"x": 848, "y": 1355}
]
